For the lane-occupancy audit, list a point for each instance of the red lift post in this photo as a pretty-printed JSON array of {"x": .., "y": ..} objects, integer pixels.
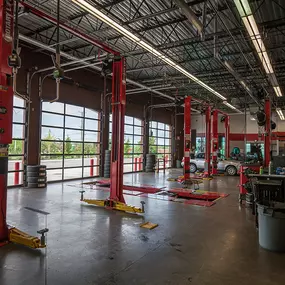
[
  {"x": 227, "y": 136},
  {"x": 6, "y": 105},
  {"x": 187, "y": 137},
  {"x": 215, "y": 143},
  {"x": 207, "y": 168},
  {"x": 267, "y": 136}
]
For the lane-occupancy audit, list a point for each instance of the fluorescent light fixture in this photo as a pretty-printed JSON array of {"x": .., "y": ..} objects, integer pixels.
[
  {"x": 280, "y": 114},
  {"x": 252, "y": 29},
  {"x": 243, "y": 7},
  {"x": 104, "y": 18},
  {"x": 232, "y": 107},
  {"x": 278, "y": 91}
]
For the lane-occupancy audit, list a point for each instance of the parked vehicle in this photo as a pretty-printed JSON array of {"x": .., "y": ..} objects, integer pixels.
[{"x": 231, "y": 167}]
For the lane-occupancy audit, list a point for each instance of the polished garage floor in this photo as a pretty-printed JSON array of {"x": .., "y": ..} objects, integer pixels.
[{"x": 89, "y": 245}]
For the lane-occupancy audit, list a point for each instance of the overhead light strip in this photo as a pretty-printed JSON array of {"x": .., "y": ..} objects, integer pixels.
[
  {"x": 252, "y": 29},
  {"x": 232, "y": 107},
  {"x": 104, "y": 18},
  {"x": 280, "y": 114}
]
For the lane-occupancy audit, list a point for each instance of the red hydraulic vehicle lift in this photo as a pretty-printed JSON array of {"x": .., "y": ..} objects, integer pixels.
[
  {"x": 215, "y": 143},
  {"x": 187, "y": 137},
  {"x": 267, "y": 136},
  {"x": 207, "y": 168}
]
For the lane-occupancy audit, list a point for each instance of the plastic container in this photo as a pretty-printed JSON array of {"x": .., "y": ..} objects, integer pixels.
[{"x": 271, "y": 228}]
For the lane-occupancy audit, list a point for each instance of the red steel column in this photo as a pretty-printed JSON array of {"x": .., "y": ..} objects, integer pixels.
[
  {"x": 6, "y": 105},
  {"x": 207, "y": 169},
  {"x": 215, "y": 143},
  {"x": 267, "y": 137},
  {"x": 17, "y": 173},
  {"x": 227, "y": 136},
  {"x": 91, "y": 167},
  {"x": 187, "y": 136},
  {"x": 118, "y": 121}
]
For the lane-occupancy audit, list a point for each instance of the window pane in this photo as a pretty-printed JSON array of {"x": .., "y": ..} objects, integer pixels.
[
  {"x": 160, "y": 133},
  {"x": 19, "y": 102},
  {"x": 54, "y": 175},
  {"x": 52, "y": 161},
  {"x": 160, "y": 141},
  {"x": 55, "y": 107},
  {"x": 87, "y": 173},
  {"x": 91, "y": 148},
  {"x": 72, "y": 148},
  {"x": 91, "y": 114},
  {"x": 11, "y": 177},
  {"x": 73, "y": 122},
  {"x": 91, "y": 136},
  {"x": 74, "y": 110},
  {"x": 138, "y": 148},
  {"x": 138, "y": 139},
  {"x": 167, "y": 128},
  {"x": 70, "y": 173},
  {"x": 128, "y": 129},
  {"x": 153, "y": 133},
  {"x": 16, "y": 147},
  {"x": 18, "y": 131},
  {"x": 137, "y": 122},
  {"x": 129, "y": 120},
  {"x": 167, "y": 141},
  {"x": 88, "y": 160},
  {"x": 13, "y": 164},
  {"x": 73, "y": 135},
  {"x": 72, "y": 160},
  {"x": 91, "y": 125},
  {"x": 52, "y": 134},
  {"x": 138, "y": 130},
  {"x": 128, "y": 167},
  {"x": 153, "y": 124},
  {"x": 52, "y": 120},
  {"x": 51, "y": 147},
  {"x": 160, "y": 126},
  {"x": 18, "y": 115}
]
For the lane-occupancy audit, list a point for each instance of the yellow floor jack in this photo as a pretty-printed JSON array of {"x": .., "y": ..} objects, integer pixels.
[{"x": 111, "y": 204}]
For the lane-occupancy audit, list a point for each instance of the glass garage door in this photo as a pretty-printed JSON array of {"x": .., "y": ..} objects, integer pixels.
[
  {"x": 70, "y": 141},
  {"x": 160, "y": 141},
  {"x": 133, "y": 144}
]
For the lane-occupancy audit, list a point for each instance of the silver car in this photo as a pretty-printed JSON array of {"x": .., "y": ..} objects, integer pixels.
[{"x": 231, "y": 167}]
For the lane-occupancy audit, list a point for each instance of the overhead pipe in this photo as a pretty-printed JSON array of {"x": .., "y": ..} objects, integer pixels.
[
  {"x": 188, "y": 12},
  {"x": 73, "y": 58}
]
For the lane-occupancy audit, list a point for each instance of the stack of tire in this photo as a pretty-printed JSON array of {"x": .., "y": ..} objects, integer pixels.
[
  {"x": 36, "y": 176},
  {"x": 150, "y": 163},
  {"x": 107, "y": 164}
]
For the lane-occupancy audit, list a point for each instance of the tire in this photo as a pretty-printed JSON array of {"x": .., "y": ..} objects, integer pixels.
[
  {"x": 36, "y": 173},
  {"x": 37, "y": 180},
  {"x": 36, "y": 168},
  {"x": 193, "y": 167},
  {"x": 37, "y": 185},
  {"x": 231, "y": 170}
]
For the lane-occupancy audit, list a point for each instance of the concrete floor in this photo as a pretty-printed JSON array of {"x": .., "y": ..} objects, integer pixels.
[{"x": 89, "y": 245}]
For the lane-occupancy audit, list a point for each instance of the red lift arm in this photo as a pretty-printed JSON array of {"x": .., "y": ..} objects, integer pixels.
[
  {"x": 6, "y": 105},
  {"x": 187, "y": 137}
]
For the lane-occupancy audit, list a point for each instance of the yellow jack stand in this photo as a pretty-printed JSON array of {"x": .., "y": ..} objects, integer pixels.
[{"x": 114, "y": 205}]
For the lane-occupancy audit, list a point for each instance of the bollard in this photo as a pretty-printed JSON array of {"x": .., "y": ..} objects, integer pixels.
[
  {"x": 96, "y": 167},
  {"x": 136, "y": 164},
  {"x": 17, "y": 173},
  {"x": 140, "y": 163},
  {"x": 91, "y": 167},
  {"x": 164, "y": 164},
  {"x": 166, "y": 158}
]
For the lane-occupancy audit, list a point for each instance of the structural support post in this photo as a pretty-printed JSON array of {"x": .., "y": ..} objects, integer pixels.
[
  {"x": 227, "y": 136},
  {"x": 146, "y": 136},
  {"x": 215, "y": 143},
  {"x": 207, "y": 167},
  {"x": 118, "y": 112},
  {"x": 187, "y": 137},
  {"x": 6, "y": 106},
  {"x": 267, "y": 137}
]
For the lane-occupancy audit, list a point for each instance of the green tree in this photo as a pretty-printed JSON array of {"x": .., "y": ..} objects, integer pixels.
[
  {"x": 16, "y": 147},
  {"x": 50, "y": 146},
  {"x": 138, "y": 148},
  {"x": 68, "y": 146},
  {"x": 152, "y": 145},
  {"x": 127, "y": 147}
]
